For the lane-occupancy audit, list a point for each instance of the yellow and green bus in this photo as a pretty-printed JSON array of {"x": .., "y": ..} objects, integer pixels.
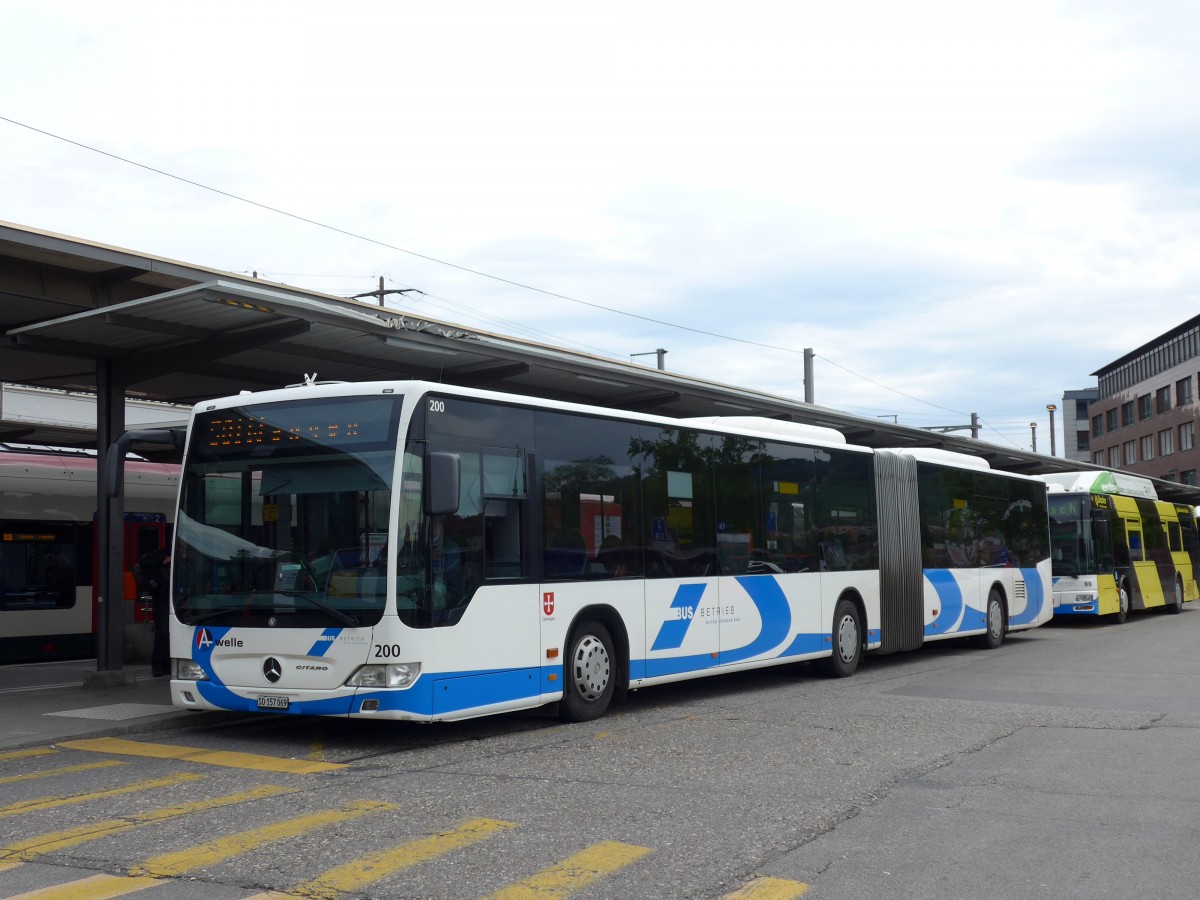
[{"x": 1116, "y": 548}]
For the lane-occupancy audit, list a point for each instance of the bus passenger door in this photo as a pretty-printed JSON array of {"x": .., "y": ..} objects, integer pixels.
[
  {"x": 683, "y": 606},
  {"x": 1184, "y": 549},
  {"x": 1145, "y": 587}
]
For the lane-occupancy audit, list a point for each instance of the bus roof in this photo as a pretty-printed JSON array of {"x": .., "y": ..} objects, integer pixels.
[
  {"x": 797, "y": 431},
  {"x": 1102, "y": 482},
  {"x": 944, "y": 457}
]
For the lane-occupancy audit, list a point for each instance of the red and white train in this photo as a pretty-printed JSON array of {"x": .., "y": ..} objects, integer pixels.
[{"x": 48, "y": 550}]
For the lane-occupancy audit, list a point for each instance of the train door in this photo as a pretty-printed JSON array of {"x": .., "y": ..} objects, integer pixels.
[{"x": 142, "y": 534}]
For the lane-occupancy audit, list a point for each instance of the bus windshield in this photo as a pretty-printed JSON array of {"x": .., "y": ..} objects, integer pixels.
[
  {"x": 283, "y": 514},
  {"x": 1072, "y": 545}
]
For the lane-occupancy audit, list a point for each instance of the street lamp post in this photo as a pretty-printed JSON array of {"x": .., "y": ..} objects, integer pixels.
[
  {"x": 1050, "y": 408},
  {"x": 1033, "y": 435}
]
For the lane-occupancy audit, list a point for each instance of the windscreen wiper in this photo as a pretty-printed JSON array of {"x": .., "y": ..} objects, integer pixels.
[
  {"x": 343, "y": 617},
  {"x": 208, "y": 616}
]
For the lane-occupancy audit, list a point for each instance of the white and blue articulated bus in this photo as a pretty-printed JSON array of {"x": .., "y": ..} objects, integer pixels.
[{"x": 416, "y": 551}]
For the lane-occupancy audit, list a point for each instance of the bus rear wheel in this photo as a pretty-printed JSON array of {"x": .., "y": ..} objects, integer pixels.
[
  {"x": 994, "y": 636},
  {"x": 1122, "y": 612},
  {"x": 590, "y": 676},
  {"x": 1176, "y": 604},
  {"x": 847, "y": 640}
]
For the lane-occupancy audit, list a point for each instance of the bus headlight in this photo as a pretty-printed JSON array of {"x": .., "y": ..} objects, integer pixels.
[
  {"x": 189, "y": 670},
  {"x": 392, "y": 675}
]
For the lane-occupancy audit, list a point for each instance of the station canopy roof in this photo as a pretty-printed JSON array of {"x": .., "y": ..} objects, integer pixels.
[{"x": 180, "y": 334}]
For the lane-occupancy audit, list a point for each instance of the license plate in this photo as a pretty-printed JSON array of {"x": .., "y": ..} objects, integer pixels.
[{"x": 270, "y": 702}]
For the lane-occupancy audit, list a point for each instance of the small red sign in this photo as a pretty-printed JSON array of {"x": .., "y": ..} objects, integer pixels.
[{"x": 548, "y": 603}]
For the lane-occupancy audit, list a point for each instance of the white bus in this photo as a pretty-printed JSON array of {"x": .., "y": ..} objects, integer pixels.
[{"x": 417, "y": 551}]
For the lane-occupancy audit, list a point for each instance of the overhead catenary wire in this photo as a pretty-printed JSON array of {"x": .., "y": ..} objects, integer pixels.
[{"x": 467, "y": 269}]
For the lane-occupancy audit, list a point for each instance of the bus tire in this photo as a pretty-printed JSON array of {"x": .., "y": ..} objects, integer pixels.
[
  {"x": 1176, "y": 604},
  {"x": 993, "y": 637},
  {"x": 590, "y": 675},
  {"x": 1122, "y": 612},
  {"x": 847, "y": 640}
]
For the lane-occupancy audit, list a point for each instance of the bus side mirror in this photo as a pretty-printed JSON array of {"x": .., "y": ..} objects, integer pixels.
[{"x": 442, "y": 472}]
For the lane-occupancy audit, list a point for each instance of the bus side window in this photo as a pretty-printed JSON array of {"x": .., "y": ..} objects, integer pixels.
[
  {"x": 502, "y": 538},
  {"x": 504, "y": 491},
  {"x": 1135, "y": 545}
]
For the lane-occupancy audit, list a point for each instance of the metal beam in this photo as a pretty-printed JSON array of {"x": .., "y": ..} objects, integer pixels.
[
  {"x": 57, "y": 347},
  {"x": 110, "y": 277}
]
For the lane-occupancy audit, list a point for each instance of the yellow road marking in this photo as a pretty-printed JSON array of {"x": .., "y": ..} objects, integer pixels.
[
  {"x": 210, "y": 757},
  {"x": 62, "y": 770},
  {"x": 169, "y": 865},
  {"x": 70, "y": 837},
  {"x": 5, "y": 866},
  {"x": 317, "y": 749},
  {"x": 24, "y": 754},
  {"x": 769, "y": 889},
  {"x": 98, "y": 887},
  {"x": 368, "y": 869},
  {"x": 40, "y": 803},
  {"x": 575, "y": 872}
]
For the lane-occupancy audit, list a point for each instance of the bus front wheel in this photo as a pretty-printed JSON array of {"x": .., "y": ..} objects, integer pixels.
[
  {"x": 590, "y": 674},
  {"x": 847, "y": 640}
]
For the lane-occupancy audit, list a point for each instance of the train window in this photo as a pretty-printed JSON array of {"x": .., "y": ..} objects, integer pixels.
[{"x": 37, "y": 566}]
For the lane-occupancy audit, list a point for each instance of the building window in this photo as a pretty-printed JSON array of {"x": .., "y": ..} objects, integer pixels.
[
  {"x": 1097, "y": 426},
  {"x": 1145, "y": 409},
  {"x": 1127, "y": 413},
  {"x": 1081, "y": 408},
  {"x": 1098, "y": 457},
  {"x": 1166, "y": 442},
  {"x": 1147, "y": 447},
  {"x": 1114, "y": 457},
  {"x": 1183, "y": 391},
  {"x": 1187, "y": 436},
  {"x": 1110, "y": 419},
  {"x": 1129, "y": 449},
  {"x": 1162, "y": 399},
  {"x": 1187, "y": 476},
  {"x": 1082, "y": 440}
]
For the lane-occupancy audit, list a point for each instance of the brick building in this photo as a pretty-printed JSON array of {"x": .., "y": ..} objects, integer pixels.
[{"x": 1145, "y": 417}]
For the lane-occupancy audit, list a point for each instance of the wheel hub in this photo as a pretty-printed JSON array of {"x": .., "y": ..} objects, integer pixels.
[{"x": 592, "y": 668}]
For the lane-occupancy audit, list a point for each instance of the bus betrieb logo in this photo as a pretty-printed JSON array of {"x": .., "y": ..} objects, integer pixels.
[{"x": 548, "y": 603}]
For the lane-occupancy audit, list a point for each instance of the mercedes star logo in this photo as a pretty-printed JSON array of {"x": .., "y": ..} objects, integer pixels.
[{"x": 272, "y": 669}]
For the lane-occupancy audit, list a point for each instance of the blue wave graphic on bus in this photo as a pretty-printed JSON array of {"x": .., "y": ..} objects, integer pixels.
[
  {"x": 773, "y": 610},
  {"x": 1035, "y": 599},
  {"x": 950, "y": 600}
]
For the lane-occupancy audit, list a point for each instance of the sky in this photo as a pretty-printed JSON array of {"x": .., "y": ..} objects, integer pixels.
[{"x": 960, "y": 205}]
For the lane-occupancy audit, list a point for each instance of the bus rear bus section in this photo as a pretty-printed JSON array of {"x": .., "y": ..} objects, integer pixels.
[
  {"x": 415, "y": 551},
  {"x": 1117, "y": 548}
]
